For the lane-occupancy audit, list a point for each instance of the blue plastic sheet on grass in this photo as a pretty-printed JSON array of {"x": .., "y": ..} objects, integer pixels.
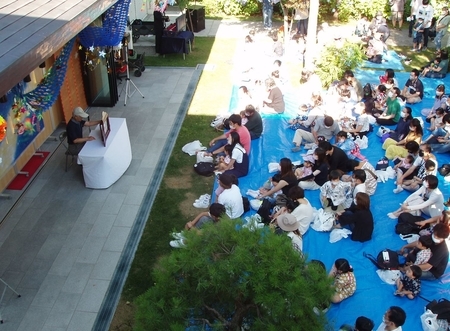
[
  {"x": 390, "y": 60},
  {"x": 372, "y": 297}
]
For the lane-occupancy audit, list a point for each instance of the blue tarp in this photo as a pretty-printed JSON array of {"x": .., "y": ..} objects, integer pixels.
[
  {"x": 372, "y": 296},
  {"x": 390, "y": 60}
]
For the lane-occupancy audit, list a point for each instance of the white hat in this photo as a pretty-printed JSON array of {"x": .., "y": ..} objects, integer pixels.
[
  {"x": 80, "y": 112},
  {"x": 288, "y": 222}
]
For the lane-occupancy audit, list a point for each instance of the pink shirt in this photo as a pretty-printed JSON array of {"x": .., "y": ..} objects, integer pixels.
[{"x": 244, "y": 137}]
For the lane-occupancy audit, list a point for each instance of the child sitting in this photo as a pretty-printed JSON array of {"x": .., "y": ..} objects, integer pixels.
[
  {"x": 306, "y": 170},
  {"x": 403, "y": 163},
  {"x": 334, "y": 192},
  {"x": 297, "y": 123},
  {"x": 436, "y": 119},
  {"x": 409, "y": 284},
  {"x": 268, "y": 185},
  {"x": 224, "y": 161},
  {"x": 417, "y": 35},
  {"x": 419, "y": 254},
  {"x": 414, "y": 184},
  {"x": 344, "y": 280},
  {"x": 380, "y": 100},
  {"x": 244, "y": 118},
  {"x": 349, "y": 146}
]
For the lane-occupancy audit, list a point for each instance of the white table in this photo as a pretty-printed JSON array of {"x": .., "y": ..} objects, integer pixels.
[{"x": 103, "y": 166}]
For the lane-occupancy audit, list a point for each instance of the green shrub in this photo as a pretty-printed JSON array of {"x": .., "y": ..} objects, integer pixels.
[
  {"x": 334, "y": 61},
  {"x": 232, "y": 7},
  {"x": 226, "y": 276}
]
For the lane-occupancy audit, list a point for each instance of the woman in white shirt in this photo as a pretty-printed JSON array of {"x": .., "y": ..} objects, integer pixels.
[{"x": 428, "y": 200}]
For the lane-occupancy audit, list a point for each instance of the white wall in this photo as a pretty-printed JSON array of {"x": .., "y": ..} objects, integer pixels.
[{"x": 139, "y": 9}]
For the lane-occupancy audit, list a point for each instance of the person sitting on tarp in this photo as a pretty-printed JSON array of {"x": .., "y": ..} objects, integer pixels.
[
  {"x": 74, "y": 130},
  {"x": 254, "y": 124}
]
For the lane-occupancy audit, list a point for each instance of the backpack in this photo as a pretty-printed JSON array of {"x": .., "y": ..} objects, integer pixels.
[
  {"x": 204, "y": 168},
  {"x": 441, "y": 308},
  {"x": 407, "y": 228},
  {"x": 444, "y": 170},
  {"x": 386, "y": 260}
]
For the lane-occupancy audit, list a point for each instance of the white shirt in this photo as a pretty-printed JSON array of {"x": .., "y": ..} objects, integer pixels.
[
  {"x": 232, "y": 200},
  {"x": 427, "y": 13},
  {"x": 304, "y": 214},
  {"x": 434, "y": 205},
  {"x": 382, "y": 327},
  {"x": 359, "y": 188},
  {"x": 238, "y": 153}
]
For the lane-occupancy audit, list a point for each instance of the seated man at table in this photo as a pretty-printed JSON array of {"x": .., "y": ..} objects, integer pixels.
[{"x": 74, "y": 130}]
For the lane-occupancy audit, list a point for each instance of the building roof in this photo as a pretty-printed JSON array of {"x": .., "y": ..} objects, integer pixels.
[{"x": 32, "y": 30}]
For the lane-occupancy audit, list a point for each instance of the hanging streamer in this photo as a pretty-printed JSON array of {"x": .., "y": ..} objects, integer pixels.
[{"x": 113, "y": 29}]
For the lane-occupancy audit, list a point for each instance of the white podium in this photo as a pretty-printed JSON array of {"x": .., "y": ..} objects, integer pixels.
[{"x": 103, "y": 166}]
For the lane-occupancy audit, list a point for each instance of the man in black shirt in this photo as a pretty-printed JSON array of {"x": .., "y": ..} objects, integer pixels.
[
  {"x": 74, "y": 130},
  {"x": 337, "y": 159},
  {"x": 413, "y": 90},
  {"x": 254, "y": 124}
]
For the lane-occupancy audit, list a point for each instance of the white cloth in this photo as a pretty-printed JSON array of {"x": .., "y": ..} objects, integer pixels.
[
  {"x": 192, "y": 147},
  {"x": 427, "y": 13},
  {"x": 338, "y": 234},
  {"x": 429, "y": 321},
  {"x": 389, "y": 276},
  {"x": 304, "y": 214},
  {"x": 297, "y": 241},
  {"x": 232, "y": 200},
  {"x": 103, "y": 166},
  {"x": 273, "y": 167},
  {"x": 359, "y": 188},
  {"x": 238, "y": 153},
  {"x": 323, "y": 221}
]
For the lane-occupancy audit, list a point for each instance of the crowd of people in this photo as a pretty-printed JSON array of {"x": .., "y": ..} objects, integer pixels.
[{"x": 329, "y": 128}]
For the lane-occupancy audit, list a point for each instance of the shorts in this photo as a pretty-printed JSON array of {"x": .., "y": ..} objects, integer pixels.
[
  {"x": 418, "y": 38},
  {"x": 397, "y": 16}
]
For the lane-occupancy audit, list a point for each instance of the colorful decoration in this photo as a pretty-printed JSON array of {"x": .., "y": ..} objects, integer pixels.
[
  {"x": 3, "y": 127},
  {"x": 112, "y": 29},
  {"x": 93, "y": 56}
]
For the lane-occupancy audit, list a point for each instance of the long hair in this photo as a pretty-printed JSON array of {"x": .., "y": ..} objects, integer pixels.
[{"x": 285, "y": 167}]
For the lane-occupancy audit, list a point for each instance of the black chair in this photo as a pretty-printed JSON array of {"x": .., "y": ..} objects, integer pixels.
[{"x": 63, "y": 140}]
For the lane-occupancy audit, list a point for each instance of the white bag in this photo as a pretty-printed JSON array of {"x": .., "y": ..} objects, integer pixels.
[
  {"x": 389, "y": 276},
  {"x": 429, "y": 321},
  {"x": 323, "y": 221},
  {"x": 274, "y": 167},
  {"x": 410, "y": 238},
  {"x": 363, "y": 142},
  {"x": 382, "y": 130},
  {"x": 255, "y": 204},
  {"x": 338, "y": 234},
  {"x": 201, "y": 157},
  {"x": 192, "y": 147}
]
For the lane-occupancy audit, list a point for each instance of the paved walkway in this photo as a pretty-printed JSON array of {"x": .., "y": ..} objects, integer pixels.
[{"x": 66, "y": 248}]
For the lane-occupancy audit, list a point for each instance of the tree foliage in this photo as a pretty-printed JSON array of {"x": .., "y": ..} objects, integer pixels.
[
  {"x": 334, "y": 60},
  {"x": 228, "y": 275}
]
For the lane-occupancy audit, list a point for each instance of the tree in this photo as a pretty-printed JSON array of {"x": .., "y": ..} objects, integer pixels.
[{"x": 228, "y": 276}]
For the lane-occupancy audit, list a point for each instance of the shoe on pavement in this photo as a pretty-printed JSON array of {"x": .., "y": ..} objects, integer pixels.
[
  {"x": 392, "y": 216},
  {"x": 177, "y": 244},
  {"x": 201, "y": 204}
]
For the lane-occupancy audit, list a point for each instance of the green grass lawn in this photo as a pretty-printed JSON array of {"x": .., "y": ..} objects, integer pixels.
[
  {"x": 418, "y": 59},
  {"x": 200, "y": 53}
]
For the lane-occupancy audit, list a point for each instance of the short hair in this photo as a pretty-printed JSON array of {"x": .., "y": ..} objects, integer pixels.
[
  {"x": 226, "y": 180},
  {"x": 397, "y": 91},
  {"x": 319, "y": 264},
  {"x": 441, "y": 230},
  {"x": 416, "y": 271},
  {"x": 364, "y": 324},
  {"x": 390, "y": 73},
  {"x": 396, "y": 315},
  {"x": 440, "y": 87},
  {"x": 348, "y": 73},
  {"x": 432, "y": 181},
  {"x": 342, "y": 134},
  {"x": 270, "y": 82},
  {"x": 296, "y": 193},
  {"x": 277, "y": 62},
  {"x": 412, "y": 147},
  {"x": 425, "y": 2},
  {"x": 426, "y": 241},
  {"x": 362, "y": 200},
  {"x": 328, "y": 121},
  {"x": 430, "y": 165},
  {"x": 446, "y": 118},
  {"x": 236, "y": 119},
  {"x": 360, "y": 174},
  {"x": 440, "y": 111},
  {"x": 326, "y": 145},
  {"x": 334, "y": 174},
  {"x": 276, "y": 178},
  {"x": 409, "y": 158},
  {"x": 382, "y": 88},
  {"x": 250, "y": 109},
  {"x": 415, "y": 71},
  {"x": 216, "y": 209}
]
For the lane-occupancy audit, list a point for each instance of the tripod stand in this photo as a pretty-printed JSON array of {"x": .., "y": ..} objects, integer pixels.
[
  {"x": 3, "y": 294},
  {"x": 128, "y": 92}
]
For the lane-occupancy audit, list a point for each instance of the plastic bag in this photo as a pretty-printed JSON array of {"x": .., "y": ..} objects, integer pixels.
[
  {"x": 201, "y": 157},
  {"x": 429, "y": 321},
  {"x": 363, "y": 142},
  {"x": 192, "y": 147},
  {"x": 389, "y": 276},
  {"x": 274, "y": 167},
  {"x": 323, "y": 221},
  {"x": 338, "y": 234}
]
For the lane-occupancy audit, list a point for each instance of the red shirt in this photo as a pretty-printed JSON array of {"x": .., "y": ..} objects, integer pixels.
[{"x": 244, "y": 137}]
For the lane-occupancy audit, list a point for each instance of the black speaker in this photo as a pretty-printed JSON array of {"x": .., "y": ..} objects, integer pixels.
[{"x": 197, "y": 14}]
